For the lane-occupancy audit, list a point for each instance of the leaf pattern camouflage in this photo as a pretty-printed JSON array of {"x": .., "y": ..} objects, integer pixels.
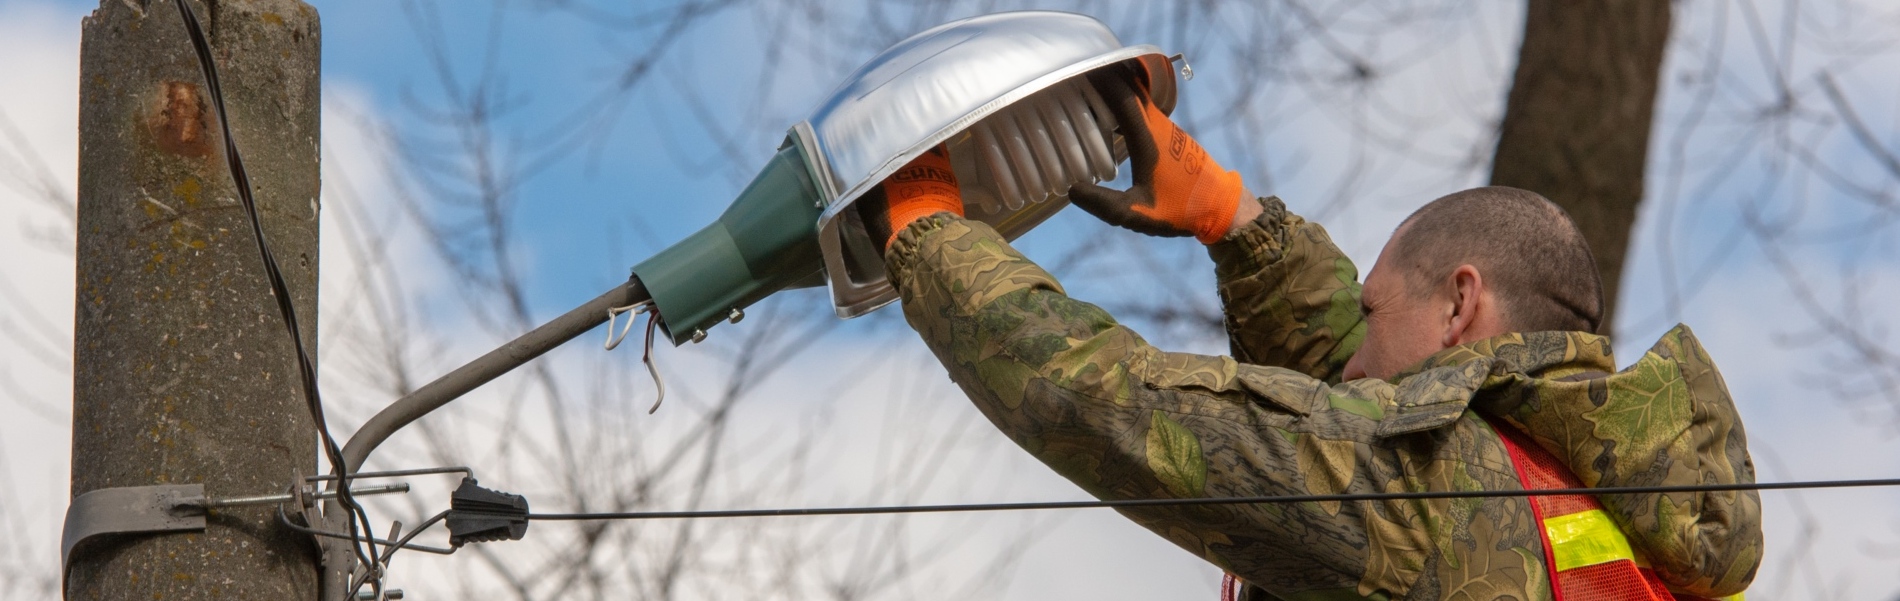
[
  {"x": 1292, "y": 298},
  {"x": 1666, "y": 420},
  {"x": 1124, "y": 420}
]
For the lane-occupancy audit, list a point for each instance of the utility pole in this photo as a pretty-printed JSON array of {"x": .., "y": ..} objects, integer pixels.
[{"x": 182, "y": 370}]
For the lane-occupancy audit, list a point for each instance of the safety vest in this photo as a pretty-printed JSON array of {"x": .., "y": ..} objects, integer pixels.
[{"x": 1589, "y": 558}]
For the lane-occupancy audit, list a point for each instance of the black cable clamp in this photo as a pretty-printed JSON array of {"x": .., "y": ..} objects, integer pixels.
[{"x": 479, "y": 515}]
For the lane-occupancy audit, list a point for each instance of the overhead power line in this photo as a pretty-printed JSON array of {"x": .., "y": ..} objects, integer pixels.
[{"x": 1398, "y": 496}]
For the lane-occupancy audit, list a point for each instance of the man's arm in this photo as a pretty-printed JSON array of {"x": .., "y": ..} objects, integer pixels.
[
  {"x": 1291, "y": 297},
  {"x": 1124, "y": 420}
]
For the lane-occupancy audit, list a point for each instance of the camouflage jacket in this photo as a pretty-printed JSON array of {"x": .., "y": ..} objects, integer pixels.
[{"x": 1125, "y": 420}]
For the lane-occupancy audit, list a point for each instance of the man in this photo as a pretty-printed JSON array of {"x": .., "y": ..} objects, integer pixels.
[{"x": 1467, "y": 362}]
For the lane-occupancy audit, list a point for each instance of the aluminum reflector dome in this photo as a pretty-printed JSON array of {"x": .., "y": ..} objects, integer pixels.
[{"x": 930, "y": 89}]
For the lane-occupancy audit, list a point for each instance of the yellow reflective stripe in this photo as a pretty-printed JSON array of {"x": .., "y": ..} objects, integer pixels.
[{"x": 1586, "y": 538}]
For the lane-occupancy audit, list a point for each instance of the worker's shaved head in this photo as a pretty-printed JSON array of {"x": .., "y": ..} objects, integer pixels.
[{"x": 1528, "y": 250}]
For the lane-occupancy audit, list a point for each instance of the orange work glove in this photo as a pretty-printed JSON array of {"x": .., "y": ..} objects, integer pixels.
[
  {"x": 924, "y": 187},
  {"x": 1179, "y": 190}
]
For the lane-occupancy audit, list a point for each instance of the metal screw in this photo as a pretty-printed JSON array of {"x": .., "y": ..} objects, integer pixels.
[
  {"x": 735, "y": 315},
  {"x": 699, "y": 336}
]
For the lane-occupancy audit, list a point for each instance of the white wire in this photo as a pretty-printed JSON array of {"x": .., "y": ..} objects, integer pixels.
[
  {"x": 613, "y": 313},
  {"x": 652, "y": 368},
  {"x": 614, "y": 340}
]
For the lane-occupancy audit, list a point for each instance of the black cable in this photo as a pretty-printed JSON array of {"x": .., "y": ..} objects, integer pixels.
[
  {"x": 284, "y": 520},
  {"x": 1399, "y": 496},
  {"x": 403, "y": 543},
  {"x": 358, "y": 518}
]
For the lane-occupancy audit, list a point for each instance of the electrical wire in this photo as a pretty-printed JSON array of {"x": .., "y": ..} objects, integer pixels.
[
  {"x": 646, "y": 356},
  {"x": 403, "y": 543},
  {"x": 357, "y": 517},
  {"x": 613, "y": 314},
  {"x": 390, "y": 545},
  {"x": 398, "y": 545},
  {"x": 1398, "y": 496}
]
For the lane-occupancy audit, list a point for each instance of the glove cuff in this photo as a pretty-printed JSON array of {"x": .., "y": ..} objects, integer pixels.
[
  {"x": 924, "y": 187},
  {"x": 905, "y": 213},
  {"x": 1211, "y": 203}
]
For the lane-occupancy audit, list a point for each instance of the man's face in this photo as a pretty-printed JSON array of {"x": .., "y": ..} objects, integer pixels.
[{"x": 1403, "y": 326}]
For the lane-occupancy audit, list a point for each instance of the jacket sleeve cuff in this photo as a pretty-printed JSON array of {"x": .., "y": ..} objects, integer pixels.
[
  {"x": 904, "y": 253},
  {"x": 1254, "y": 246},
  {"x": 947, "y": 265}
]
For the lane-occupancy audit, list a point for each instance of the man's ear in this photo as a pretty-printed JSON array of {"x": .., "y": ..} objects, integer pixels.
[{"x": 1467, "y": 289}]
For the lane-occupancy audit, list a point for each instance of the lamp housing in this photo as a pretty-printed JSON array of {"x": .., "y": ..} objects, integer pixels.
[{"x": 1004, "y": 91}]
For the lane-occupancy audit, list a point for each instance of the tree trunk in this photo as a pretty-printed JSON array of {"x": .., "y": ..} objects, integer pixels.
[
  {"x": 1576, "y": 126},
  {"x": 182, "y": 371}
]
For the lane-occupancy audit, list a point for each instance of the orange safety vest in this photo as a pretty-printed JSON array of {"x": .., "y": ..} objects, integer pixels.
[{"x": 1587, "y": 556}]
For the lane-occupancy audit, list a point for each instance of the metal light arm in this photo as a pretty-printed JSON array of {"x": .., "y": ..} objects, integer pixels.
[
  {"x": 338, "y": 560},
  {"x": 507, "y": 357}
]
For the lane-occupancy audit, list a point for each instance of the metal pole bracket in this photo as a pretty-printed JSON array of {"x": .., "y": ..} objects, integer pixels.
[{"x": 130, "y": 510}]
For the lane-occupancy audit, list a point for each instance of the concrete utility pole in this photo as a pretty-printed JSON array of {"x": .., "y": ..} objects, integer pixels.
[{"x": 182, "y": 370}]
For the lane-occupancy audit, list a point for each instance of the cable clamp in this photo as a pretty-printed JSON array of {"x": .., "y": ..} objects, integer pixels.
[{"x": 479, "y": 515}]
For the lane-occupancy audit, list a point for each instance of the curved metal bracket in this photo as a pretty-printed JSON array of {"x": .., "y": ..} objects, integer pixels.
[
  {"x": 338, "y": 563},
  {"x": 129, "y": 510}
]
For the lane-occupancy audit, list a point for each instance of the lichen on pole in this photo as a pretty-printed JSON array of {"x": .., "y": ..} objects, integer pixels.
[{"x": 182, "y": 371}]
